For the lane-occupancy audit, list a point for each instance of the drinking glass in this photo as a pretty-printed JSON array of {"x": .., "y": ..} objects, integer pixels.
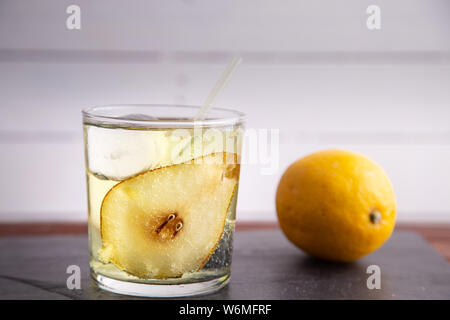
[{"x": 162, "y": 192}]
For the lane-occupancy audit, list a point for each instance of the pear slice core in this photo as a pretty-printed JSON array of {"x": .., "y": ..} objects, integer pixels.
[{"x": 168, "y": 221}]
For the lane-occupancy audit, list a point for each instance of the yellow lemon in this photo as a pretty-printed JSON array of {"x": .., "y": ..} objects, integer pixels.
[{"x": 336, "y": 205}]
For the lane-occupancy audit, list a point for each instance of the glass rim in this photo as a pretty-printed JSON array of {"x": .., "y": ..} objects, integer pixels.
[{"x": 90, "y": 116}]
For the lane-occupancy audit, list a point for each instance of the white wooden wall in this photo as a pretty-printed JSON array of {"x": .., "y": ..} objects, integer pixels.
[{"x": 311, "y": 69}]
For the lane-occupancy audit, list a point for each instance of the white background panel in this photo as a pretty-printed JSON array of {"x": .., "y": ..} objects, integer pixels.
[{"x": 311, "y": 69}]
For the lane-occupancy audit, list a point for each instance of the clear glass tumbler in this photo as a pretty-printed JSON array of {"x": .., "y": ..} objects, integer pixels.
[{"x": 162, "y": 192}]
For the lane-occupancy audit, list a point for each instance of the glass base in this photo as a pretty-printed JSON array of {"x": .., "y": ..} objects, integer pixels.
[{"x": 160, "y": 290}]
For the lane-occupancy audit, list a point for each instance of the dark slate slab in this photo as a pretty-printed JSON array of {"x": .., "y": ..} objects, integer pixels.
[{"x": 265, "y": 266}]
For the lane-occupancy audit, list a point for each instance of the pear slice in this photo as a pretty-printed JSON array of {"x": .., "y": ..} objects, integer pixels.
[{"x": 168, "y": 221}]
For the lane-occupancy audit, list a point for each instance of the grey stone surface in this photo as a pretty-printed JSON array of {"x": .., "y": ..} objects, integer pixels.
[{"x": 265, "y": 266}]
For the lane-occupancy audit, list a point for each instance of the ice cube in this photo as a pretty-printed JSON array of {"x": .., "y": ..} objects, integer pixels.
[
  {"x": 139, "y": 117},
  {"x": 120, "y": 153}
]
